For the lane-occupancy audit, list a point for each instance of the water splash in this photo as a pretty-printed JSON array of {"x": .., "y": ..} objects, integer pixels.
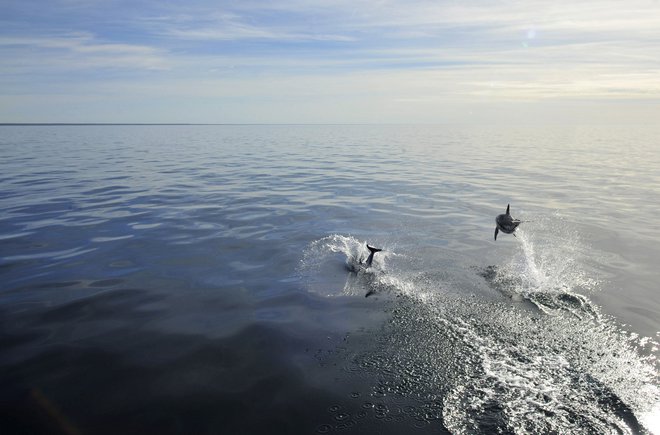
[
  {"x": 336, "y": 258},
  {"x": 477, "y": 366},
  {"x": 547, "y": 269}
]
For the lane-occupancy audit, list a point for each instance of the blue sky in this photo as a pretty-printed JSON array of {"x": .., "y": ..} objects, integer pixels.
[{"x": 317, "y": 61}]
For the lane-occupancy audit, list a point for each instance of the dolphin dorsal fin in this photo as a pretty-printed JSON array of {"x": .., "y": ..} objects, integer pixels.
[{"x": 507, "y": 209}]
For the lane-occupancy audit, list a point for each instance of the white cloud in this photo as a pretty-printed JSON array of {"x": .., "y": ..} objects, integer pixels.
[
  {"x": 239, "y": 32},
  {"x": 363, "y": 57},
  {"x": 43, "y": 54}
]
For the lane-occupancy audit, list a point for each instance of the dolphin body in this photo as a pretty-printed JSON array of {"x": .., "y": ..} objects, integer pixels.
[
  {"x": 362, "y": 266},
  {"x": 370, "y": 258},
  {"x": 367, "y": 264},
  {"x": 505, "y": 223}
]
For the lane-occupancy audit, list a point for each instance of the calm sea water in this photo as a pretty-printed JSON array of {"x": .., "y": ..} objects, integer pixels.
[{"x": 200, "y": 279}]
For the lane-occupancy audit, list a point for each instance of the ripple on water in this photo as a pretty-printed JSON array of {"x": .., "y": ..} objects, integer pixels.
[
  {"x": 324, "y": 428},
  {"x": 106, "y": 282},
  {"x": 16, "y": 235},
  {"x": 53, "y": 255}
]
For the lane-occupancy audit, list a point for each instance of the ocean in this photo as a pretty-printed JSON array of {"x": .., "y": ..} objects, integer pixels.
[{"x": 206, "y": 279}]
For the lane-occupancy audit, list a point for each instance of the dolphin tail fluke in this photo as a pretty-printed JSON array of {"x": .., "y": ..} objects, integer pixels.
[
  {"x": 507, "y": 209},
  {"x": 497, "y": 230},
  {"x": 372, "y": 251}
]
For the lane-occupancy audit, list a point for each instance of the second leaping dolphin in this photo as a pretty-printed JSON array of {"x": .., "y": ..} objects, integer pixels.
[{"x": 505, "y": 223}]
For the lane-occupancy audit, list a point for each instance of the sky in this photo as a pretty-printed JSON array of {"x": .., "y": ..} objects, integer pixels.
[{"x": 322, "y": 61}]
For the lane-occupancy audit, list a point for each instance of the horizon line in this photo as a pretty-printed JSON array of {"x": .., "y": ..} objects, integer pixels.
[
  {"x": 109, "y": 124},
  {"x": 201, "y": 123}
]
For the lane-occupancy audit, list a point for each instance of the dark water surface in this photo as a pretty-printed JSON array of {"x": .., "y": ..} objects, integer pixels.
[{"x": 194, "y": 279}]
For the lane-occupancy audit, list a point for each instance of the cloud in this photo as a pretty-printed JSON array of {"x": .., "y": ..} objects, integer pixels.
[
  {"x": 417, "y": 53},
  {"x": 76, "y": 51},
  {"x": 242, "y": 32}
]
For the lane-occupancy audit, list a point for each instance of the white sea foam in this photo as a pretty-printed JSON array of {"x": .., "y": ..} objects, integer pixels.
[{"x": 564, "y": 369}]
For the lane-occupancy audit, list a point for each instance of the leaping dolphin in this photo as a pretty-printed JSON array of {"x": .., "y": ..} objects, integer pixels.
[
  {"x": 505, "y": 223},
  {"x": 370, "y": 258},
  {"x": 358, "y": 265},
  {"x": 364, "y": 265}
]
